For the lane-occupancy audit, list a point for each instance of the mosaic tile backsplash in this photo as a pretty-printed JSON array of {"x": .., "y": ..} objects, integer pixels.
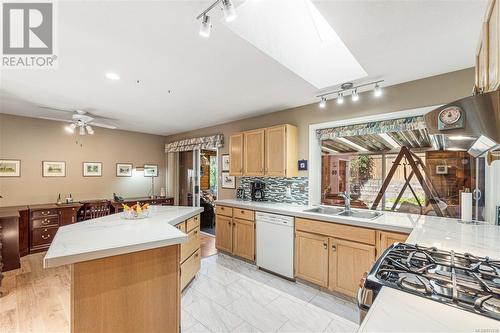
[{"x": 276, "y": 188}]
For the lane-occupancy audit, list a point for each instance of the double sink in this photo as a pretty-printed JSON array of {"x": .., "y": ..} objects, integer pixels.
[{"x": 362, "y": 214}]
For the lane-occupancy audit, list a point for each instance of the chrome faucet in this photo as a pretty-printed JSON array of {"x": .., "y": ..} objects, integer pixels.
[{"x": 347, "y": 200}]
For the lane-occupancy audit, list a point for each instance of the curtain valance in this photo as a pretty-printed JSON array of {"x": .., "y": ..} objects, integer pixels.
[
  {"x": 375, "y": 127},
  {"x": 205, "y": 142}
]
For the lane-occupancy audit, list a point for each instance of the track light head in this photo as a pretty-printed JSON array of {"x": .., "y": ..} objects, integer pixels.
[
  {"x": 206, "y": 26},
  {"x": 229, "y": 10},
  {"x": 377, "y": 91},
  {"x": 354, "y": 95},
  {"x": 322, "y": 103},
  {"x": 340, "y": 98}
]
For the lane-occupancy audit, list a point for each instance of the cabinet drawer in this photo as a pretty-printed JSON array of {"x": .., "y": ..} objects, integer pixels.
[
  {"x": 189, "y": 268},
  {"x": 43, "y": 236},
  {"x": 341, "y": 231},
  {"x": 181, "y": 226},
  {"x": 244, "y": 214},
  {"x": 223, "y": 210},
  {"x": 192, "y": 223},
  {"x": 35, "y": 214},
  {"x": 191, "y": 245},
  {"x": 45, "y": 222}
]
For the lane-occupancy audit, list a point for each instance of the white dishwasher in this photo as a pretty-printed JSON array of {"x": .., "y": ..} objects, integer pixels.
[{"x": 275, "y": 243}]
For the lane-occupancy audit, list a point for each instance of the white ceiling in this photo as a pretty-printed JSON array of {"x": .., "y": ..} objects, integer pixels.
[{"x": 224, "y": 77}]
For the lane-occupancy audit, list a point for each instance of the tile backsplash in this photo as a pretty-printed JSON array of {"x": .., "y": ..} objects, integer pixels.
[{"x": 276, "y": 188}]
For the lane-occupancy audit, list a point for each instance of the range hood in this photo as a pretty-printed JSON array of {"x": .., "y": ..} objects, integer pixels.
[{"x": 471, "y": 124}]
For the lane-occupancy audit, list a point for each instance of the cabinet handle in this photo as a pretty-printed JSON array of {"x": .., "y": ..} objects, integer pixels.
[
  {"x": 45, "y": 221},
  {"x": 242, "y": 212},
  {"x": 195, "y": 232},
  {"x": 196, "y": 255},
  {"x": 325, "y": 246},
  {"x": 334, "y": 248},
  {"x": 45, "y": 237}
]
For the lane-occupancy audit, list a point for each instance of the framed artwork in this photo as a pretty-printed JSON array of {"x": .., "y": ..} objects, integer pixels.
[
  {"x": 225, "y": 162},
  {"x": 228, "y": 181},
  {"x": 92, "y": 169},
  {"x": 124, "y": 169},
  {"x": 150, "y": 170},
  {"x": 10, "y": 168},
  {"x": 53, "y": 169}
]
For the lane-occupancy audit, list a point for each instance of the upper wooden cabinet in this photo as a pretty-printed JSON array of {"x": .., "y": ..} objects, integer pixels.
[
  {"x": 253, "y": 148},
  {"x": 236, "y": 154},
  {"x": 487, "y": 54},
  {"x": 271, "y": 151}
]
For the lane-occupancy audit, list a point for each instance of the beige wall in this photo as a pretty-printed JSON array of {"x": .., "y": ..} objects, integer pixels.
[
  {"x": 34, "y": 140},
  {"x": 430, "y": 91}
]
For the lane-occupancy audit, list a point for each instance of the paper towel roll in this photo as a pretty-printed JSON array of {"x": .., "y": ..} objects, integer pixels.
[{"x": 466, "y": 206}]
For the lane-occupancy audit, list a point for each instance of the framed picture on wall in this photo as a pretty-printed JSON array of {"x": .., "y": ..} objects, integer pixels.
[
  {"x": 225, "y": 162},
  {"x": 53, "y": 169},
  {"x": 150, "y": 170},
  {"x": 123, "y": 169},
  {"x": 92, "y": 169},
  {"x": 228, "y": 181},
  {"x": 10, "y": 168}
]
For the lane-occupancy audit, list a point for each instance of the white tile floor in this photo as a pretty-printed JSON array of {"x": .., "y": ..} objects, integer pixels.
[{"x": 230, "y": 295}]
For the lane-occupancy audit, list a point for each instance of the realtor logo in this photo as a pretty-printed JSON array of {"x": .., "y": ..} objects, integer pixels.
[{"x": 28, "y": 35}]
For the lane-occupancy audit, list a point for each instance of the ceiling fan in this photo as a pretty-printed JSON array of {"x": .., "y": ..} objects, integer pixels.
[{"x": 80, "y": 120}]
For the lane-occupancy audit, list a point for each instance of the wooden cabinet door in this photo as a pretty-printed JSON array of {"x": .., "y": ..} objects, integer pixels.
[
  {"x": 253, "y": 150},
  {"x": 482, "y": 61},
  {"x": 348, "y": 262},
  {"x": 244, "y": 239},
  {"x": 275, "y": 151},
  {"x": 224, "y": 234},
  {"x": 311, "y": 258},
  {"x": 236, "y": 154},
  {"x": 493, "y": 28},
  {"x": 67, "y": 215},
  {"x": 386, "y": 239}
]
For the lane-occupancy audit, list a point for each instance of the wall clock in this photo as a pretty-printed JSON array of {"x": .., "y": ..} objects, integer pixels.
[{"x": 450, "y": 118}]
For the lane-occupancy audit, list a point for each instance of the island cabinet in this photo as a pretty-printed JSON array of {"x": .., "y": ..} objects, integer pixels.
[
  {"x": 235, "y": 232},
  {"x": 331, "y": 255},
  {"x": 190, "y": 257},
  {"x": 271, "y": 151},
  {"x": 387, "y": 238}
]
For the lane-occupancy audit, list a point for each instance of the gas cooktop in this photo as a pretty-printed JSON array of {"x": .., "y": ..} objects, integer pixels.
[{"x": 461, "y": 280}]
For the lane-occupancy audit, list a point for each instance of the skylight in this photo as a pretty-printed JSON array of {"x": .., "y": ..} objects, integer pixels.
[{"x": 296, "y": 34}]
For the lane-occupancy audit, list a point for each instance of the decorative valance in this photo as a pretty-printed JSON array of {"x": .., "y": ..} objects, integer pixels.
[
  {"x": 205, "y": 142},
  {"x": 375, "y": 127}
]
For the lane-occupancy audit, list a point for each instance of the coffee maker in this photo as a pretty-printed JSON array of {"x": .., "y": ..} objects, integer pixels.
[{"x": 258, "y": 191}]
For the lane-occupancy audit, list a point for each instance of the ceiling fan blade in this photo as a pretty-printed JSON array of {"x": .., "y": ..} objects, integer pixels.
[
  {"x": 102, "y": 125},
  {"x": 55, "y": 109},
  {"x": 56, "y": 119},
  {"x": 95, "y": 116}
]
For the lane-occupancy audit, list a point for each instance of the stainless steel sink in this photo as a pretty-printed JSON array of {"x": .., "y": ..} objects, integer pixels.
[
  {"x": 369, "y": 215},
  {"x": 324, "y": 210}
]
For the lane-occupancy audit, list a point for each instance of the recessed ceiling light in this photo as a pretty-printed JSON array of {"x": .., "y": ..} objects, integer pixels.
[{"x": 112, "y": 76}]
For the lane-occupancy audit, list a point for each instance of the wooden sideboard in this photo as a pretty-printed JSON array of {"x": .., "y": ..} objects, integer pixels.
[{"x": 161, "y": 201}]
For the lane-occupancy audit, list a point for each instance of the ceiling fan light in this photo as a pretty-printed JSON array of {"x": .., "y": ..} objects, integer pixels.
[
  {"x": 82, "y": 130},
  {"x": 229, "y": 11},
  {"x": 90, "y": 130}
]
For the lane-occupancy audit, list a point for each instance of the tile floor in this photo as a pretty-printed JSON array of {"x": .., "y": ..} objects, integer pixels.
[{"x": 230, "y": 295}]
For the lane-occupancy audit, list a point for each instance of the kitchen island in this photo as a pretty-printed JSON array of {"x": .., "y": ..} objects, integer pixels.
[{"x": 125, "y": 274}]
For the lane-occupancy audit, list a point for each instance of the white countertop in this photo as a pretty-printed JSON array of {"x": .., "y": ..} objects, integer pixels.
[
  {"x": 111, "y": 235},
  {"x": 398, "y": 311}
]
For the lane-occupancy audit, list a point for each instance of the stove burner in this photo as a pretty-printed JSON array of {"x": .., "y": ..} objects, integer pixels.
[{"x": 461, "y": 280}]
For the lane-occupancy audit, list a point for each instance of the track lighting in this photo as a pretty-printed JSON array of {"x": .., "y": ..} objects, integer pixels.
[
  {"x": 340, "y": 99},
  {"x": 350, "y": 87},
  {"x": 206, "y": 26},
  {"x": 377, "y": 91},
  {"x": 229, "y": 11},
  {"x": 354, "y": 95},
  {"x": 322, "y": 103},
  {"x": 206, "y": 23}
]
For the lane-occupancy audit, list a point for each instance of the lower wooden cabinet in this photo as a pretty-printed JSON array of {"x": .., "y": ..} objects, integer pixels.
[
  {"x": 244, "y": 239},
  {"x": 235, "y": 236},
  {"x": 190, "y": 255},
  {"x": 311, "y": 258},
  {"x": 189, "y": 268},
  {"x": 224, "y": 233},
  {"x": 347, "y": 263},
  {"x": 387, "y": 238}
]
